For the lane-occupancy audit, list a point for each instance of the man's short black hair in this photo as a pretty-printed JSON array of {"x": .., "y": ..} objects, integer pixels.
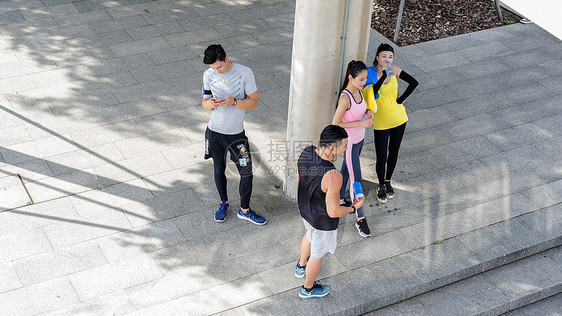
[
  {"x": 332, "y": 134},
  {"x": 213, "y": 53}
]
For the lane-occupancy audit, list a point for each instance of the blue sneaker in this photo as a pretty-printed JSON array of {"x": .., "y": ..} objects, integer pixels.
[
  {"x": 252, "y": 217},
  {"x": 299, "y": 271},
  {"x": 220, "y": 214},
  {"x": 318, "y": 290}
]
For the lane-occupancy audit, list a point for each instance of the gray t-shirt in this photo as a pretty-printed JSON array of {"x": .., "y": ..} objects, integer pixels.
[{"x": 238, "y": 82}]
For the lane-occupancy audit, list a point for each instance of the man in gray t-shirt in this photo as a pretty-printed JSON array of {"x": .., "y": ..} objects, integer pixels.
[{"x": 229, "y": 90}]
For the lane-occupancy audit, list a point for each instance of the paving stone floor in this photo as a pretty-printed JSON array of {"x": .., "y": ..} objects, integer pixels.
[{"x": 101, "y": 119}]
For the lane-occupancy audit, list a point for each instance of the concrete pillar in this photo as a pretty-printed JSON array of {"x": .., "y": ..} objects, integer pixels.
[{"x": 315, "y": 67}]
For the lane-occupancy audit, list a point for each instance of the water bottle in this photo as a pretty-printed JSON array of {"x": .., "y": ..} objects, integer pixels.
[
  {"x": 358, "y": 190},
  {"x": 388, "y": 69}
]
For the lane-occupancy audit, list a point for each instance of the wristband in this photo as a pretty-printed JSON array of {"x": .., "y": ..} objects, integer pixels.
[
  {"x": 354, "y": 209},
  {"x": 235, "y": 101}
]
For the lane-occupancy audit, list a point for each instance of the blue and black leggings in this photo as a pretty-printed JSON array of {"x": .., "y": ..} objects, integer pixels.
[{"x": 351, "y": 163}]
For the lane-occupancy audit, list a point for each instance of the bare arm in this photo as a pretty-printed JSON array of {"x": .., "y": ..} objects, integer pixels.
[
  {"x": 250, "y": 103},
  {"x": 331, "y": 184},
  {"x": 343, "y": 105},
  {"x": 208, "y": 101},
  {"x": 397, "y": 70}
]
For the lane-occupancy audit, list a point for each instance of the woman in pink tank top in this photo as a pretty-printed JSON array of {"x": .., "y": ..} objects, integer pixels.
[{"x": 350, "y": 114}]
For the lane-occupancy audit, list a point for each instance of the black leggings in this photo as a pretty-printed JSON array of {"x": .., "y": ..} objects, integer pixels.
[
  {"x": 218, "y": 146},
  {"x": 246, "y": 179},
  {"x": 387, "y": 142}
]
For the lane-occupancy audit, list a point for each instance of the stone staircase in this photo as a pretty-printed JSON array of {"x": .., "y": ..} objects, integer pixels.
[
  {"x": 505, "y": 288},
  {"x": 487, "y": 270}
]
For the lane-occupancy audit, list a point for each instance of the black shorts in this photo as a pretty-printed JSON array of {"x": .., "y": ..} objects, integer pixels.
[{"x": 217, "y": 145}]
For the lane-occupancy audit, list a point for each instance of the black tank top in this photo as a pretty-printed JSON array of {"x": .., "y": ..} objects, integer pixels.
[{"x": 311, "y": 198}]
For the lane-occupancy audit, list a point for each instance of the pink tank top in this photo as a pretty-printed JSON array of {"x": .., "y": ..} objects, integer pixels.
[{"x": 356, "y": 112}]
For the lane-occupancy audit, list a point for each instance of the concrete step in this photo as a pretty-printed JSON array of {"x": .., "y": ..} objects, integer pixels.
[
  {"x": 367, "y": 286},
  {"x": 550, "y": 306},
  {"x": 494, "y": 292}
]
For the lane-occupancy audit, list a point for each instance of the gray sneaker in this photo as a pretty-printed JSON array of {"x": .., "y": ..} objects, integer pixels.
[
  {"x": 381, "y": 194},
  {"x": 389, "y": 190}
]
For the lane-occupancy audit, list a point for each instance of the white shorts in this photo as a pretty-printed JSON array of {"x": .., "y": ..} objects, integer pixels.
[{"x": 322, "y": 241}]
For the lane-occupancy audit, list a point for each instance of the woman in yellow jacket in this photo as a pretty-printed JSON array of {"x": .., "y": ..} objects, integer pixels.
[{"x": 390, "y": 117}]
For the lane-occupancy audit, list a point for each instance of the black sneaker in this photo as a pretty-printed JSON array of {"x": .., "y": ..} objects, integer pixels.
[
  {"x": 346, "y": 203},
  {"x": 381, "y": 194},
  {"x": 389, "y": 190},
  {"x": 363, "y": 228}
]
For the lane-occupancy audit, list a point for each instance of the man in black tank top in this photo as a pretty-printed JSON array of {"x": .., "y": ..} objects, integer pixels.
[{"x": 319, "y": 184}]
